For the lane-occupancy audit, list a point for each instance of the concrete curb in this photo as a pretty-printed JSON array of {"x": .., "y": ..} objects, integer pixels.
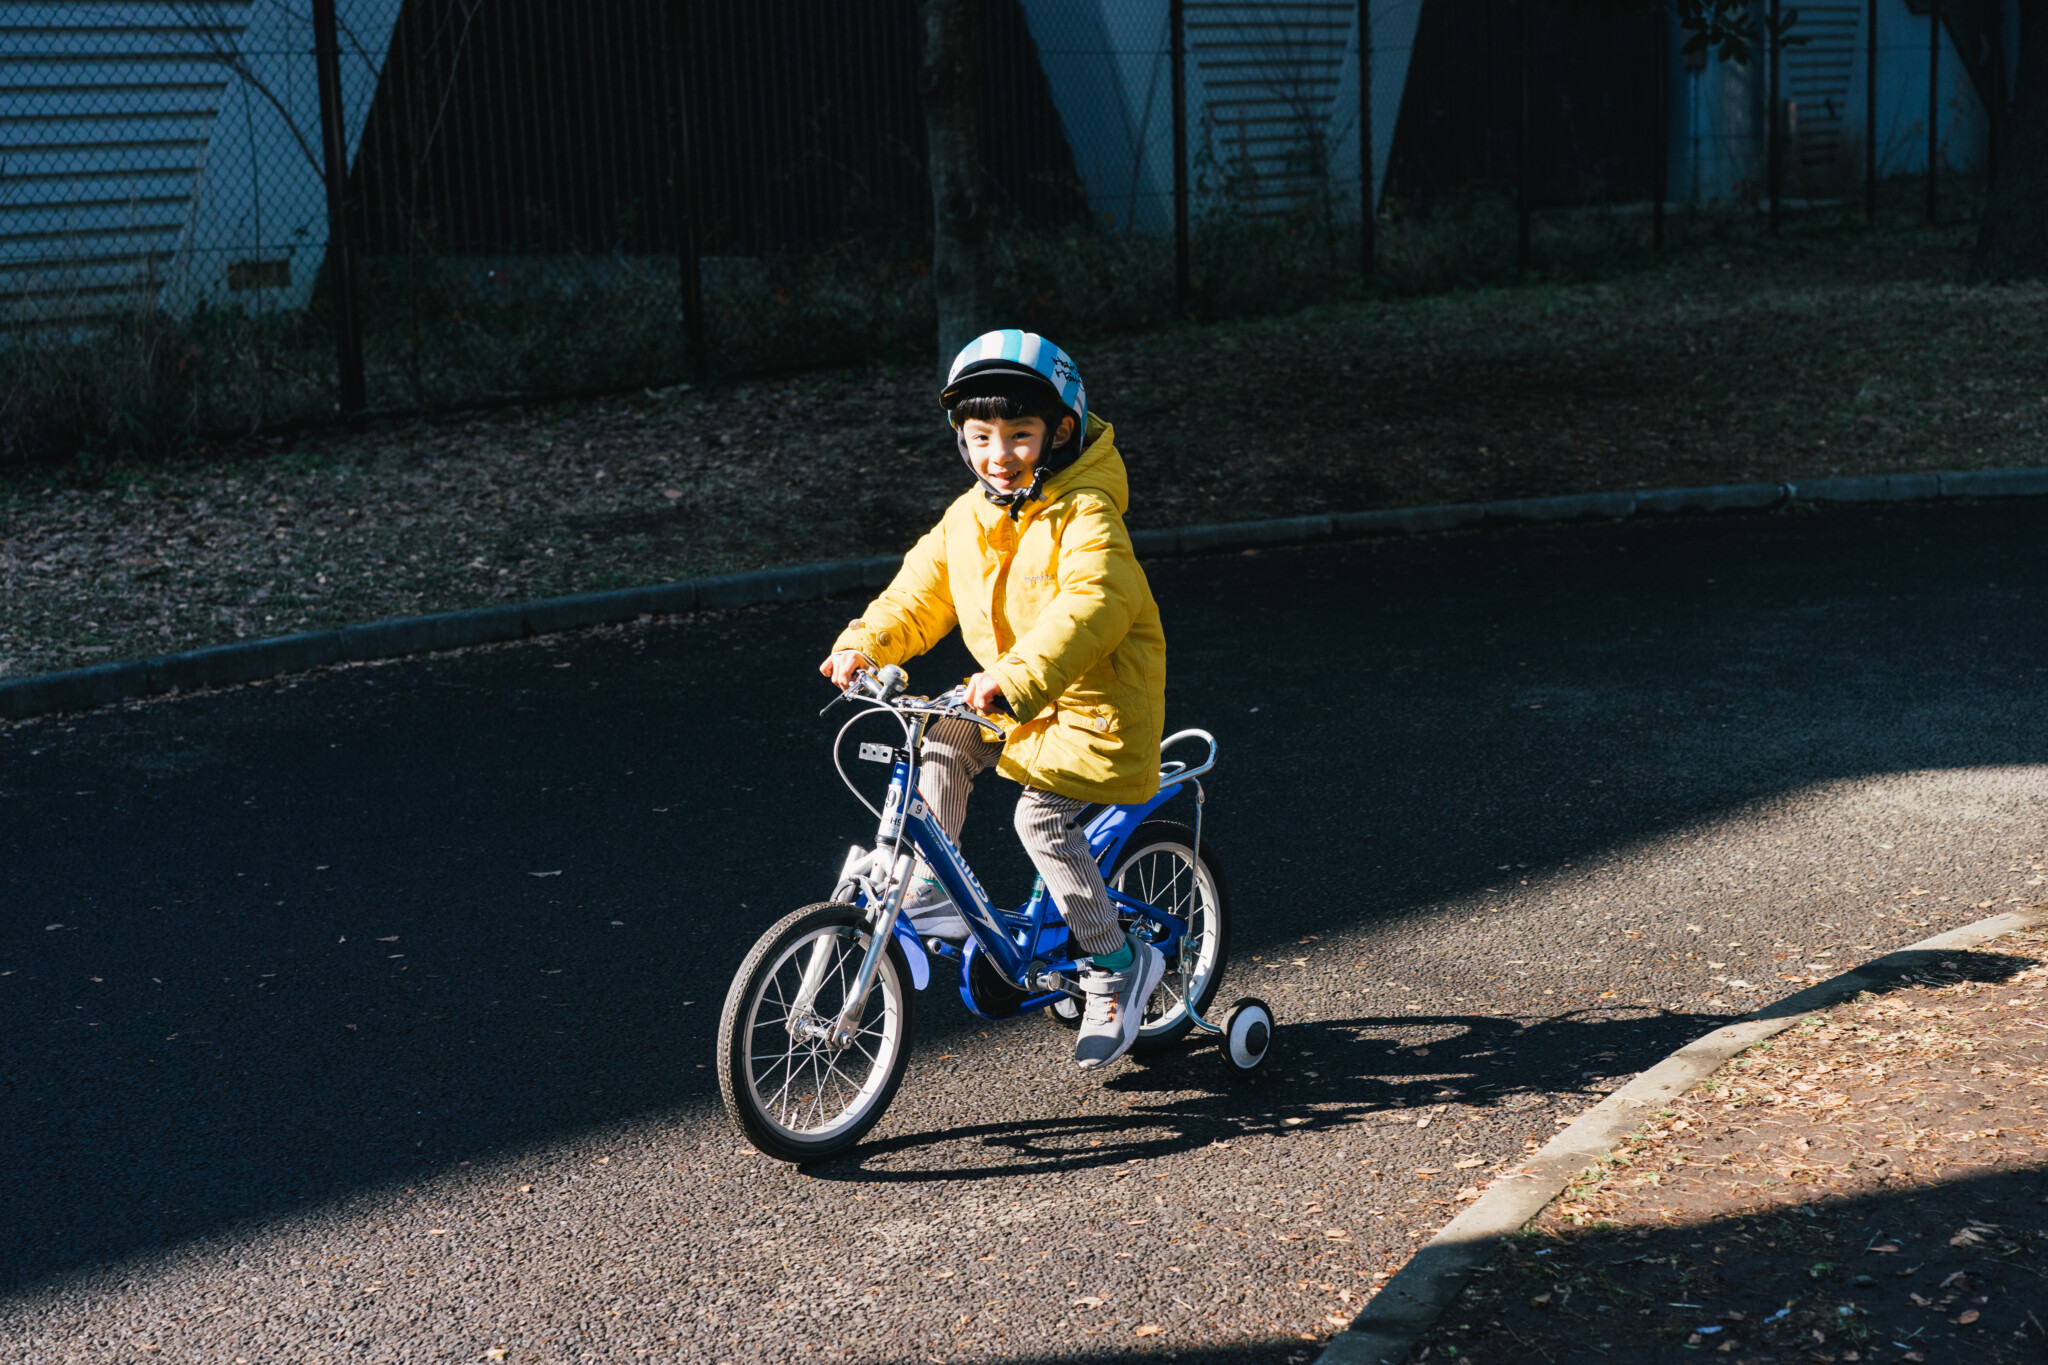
[
  {"x": 1386, "y": 1330},
  {"x": 253, "y": 660}
]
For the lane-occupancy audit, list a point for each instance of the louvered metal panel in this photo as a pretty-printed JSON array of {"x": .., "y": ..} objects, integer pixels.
[
  {"x": 163, "y": 153},
  {"x": 1816, "y": 77},
  {"x": 105, "y": 114},
  {"x": 1267, "y": 76}
]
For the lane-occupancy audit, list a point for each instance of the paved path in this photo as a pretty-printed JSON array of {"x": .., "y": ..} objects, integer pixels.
[{"x": 305, "y": 1062}]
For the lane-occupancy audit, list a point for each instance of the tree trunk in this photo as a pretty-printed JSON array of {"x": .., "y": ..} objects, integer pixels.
[
  {"x": 952, "y": 122},
  {"x": 2013, "y": 243}
]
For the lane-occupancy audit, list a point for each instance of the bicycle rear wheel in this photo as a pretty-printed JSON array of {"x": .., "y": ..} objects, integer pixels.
[
  {"x": 1158, "y": 867},
  {"x": 795, "y": 1097}
]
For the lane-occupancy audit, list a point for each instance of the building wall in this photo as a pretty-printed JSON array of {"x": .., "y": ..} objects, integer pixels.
[{"x": 167, "y": 153}]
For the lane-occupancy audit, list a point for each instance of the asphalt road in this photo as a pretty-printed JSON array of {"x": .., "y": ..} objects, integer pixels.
[{"x": 368, "y": 1015}]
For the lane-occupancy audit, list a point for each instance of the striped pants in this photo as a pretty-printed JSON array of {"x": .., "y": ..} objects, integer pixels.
[{"x": 958, "y": 751}]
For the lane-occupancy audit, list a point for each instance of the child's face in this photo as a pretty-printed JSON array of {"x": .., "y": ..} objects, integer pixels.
[{"x": 1005, "y": 452}]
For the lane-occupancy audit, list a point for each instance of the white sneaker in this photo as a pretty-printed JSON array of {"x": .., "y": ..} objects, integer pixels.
[
  {"x": 1115, "y": 1008},
  {"x": 931, "y": 912}
]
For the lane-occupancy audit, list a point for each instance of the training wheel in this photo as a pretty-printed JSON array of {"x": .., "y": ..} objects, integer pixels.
[
  {"x": 1247, "y": 1039},
  {"x": 1065, "y": 1012}
]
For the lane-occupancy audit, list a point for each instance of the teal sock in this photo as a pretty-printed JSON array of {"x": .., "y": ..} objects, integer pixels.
[{"x": 1116, "y": 961}]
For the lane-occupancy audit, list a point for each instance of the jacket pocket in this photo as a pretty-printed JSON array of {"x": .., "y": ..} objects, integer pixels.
[{"x": 1090, "y": 718}]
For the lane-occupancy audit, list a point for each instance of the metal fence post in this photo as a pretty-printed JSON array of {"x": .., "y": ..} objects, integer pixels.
[
  {"x": 1870, "y": 117},
  {"x": 1663, "y": 164},
  {"x": 341, "y": 263},
  {"x": 1177, "y": 48},
  {"x": 1774, "y": 155},
  {"x": 689, "y": 272},
  {"x": 1522, "y": 138},
  {"x": 1368, "y": 202},
  {"x": 1933, "y": 101}
]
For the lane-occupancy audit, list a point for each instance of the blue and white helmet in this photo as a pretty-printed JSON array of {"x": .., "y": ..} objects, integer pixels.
[{"x": 1013, "y": 353}]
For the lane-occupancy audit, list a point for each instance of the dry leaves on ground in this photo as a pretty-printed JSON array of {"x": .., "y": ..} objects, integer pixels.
[
  {"x": 1871, "y": 1185},
  {"x": 1725, "y": 365}
]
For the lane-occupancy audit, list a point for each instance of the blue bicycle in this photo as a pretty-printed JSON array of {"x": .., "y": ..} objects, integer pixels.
[{"x": 816, "y": 1030}]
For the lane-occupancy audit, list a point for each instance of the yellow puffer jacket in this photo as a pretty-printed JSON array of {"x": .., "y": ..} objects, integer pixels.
[{"x": 1055, "y": 606}]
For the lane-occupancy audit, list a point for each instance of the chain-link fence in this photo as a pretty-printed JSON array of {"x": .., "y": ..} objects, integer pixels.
[{"x": 232, "y": 215}]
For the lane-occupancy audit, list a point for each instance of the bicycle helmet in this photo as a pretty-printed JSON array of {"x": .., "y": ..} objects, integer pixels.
[{"x": 998, "y": 363}]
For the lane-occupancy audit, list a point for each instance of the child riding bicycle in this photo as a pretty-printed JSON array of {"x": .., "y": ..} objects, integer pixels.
[{"x": 1035, "y": 567}]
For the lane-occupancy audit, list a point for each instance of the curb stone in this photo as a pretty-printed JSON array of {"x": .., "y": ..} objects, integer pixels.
[
  {"x": 254, "y": 660},
  {"x": 1386, "y": 1330}
]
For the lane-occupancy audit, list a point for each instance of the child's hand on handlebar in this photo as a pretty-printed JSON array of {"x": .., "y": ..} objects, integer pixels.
[
  {"x": 985, "y": 694},
  {"x": 841, "y": 667}
]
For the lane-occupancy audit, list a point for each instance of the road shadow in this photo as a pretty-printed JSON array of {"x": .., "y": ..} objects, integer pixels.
[{"x": 269, "y": 948}]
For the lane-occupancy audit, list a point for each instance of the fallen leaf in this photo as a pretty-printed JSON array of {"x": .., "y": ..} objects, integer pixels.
[
  {"x": 495, "y": 1353},
  {"x": 1539, "y": 1300},
  {"x": 942, "y": 1274},
  {"x": 1149, "y": 1329},
  {"x": 1089, "y": 1301},
  {"x": 556, "y": 873},
  {"x": 1338, "y": 1234},
  {"x": 437, "y": 1232},
  {"x": 1969, "y": 1316},
  {"x": 392, "y": 939},
  {"x": 1966, "y": 1237}
]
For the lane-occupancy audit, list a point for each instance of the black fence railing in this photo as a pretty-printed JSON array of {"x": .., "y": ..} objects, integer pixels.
[{"x": 542, "y": 197}]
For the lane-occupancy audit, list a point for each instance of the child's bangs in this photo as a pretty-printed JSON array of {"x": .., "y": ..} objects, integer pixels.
[{"x": 1008, "y": 401}]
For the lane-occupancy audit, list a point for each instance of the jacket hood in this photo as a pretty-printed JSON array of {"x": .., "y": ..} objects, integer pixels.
[{"x": 1099, "y": 468}]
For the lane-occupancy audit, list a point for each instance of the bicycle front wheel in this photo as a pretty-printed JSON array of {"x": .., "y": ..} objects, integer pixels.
[{"x": 796, "y": 1097}]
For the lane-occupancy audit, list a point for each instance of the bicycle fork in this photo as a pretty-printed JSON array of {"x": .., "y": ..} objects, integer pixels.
[{"x": 840, "y": 1034}]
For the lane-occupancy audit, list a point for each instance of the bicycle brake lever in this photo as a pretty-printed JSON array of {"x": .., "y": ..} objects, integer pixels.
[{"x": 850, "y": 692}]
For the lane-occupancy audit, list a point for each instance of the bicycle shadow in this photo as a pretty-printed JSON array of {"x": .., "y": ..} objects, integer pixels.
[
  {"x": 1327, "y": 1077},
  {"x": 1332, "y": 1076}
]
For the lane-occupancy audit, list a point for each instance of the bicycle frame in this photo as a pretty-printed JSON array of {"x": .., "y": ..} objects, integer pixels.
[{"x": 1019, "y": 943}]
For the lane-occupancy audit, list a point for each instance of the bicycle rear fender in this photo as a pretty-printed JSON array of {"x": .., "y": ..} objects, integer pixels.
[{"x": 1108, "y": 831}]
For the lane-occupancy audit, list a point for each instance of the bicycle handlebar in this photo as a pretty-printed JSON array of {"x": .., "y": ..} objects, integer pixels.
[{"x": 887, "y": 686}]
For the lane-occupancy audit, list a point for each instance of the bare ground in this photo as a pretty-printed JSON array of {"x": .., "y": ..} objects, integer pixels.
[
  {"x": 1733, "y": 362},
  {"x": 1871, "y": 1185}
]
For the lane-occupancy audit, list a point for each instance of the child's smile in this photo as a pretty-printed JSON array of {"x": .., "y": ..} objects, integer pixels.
[{"x": 1004, "y": 451}]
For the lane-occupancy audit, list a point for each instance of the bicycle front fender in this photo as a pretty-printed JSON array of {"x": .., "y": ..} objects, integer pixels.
[{"x": 913, "y": 949}]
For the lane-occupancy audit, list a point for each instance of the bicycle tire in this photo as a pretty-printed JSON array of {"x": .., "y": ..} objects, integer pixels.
[
  {"x": 1155, "y": 839},
  {"x": 747, "y": 1041}
]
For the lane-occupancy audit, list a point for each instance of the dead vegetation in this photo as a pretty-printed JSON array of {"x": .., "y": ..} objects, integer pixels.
[{"x": 1727, "y": 363}]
